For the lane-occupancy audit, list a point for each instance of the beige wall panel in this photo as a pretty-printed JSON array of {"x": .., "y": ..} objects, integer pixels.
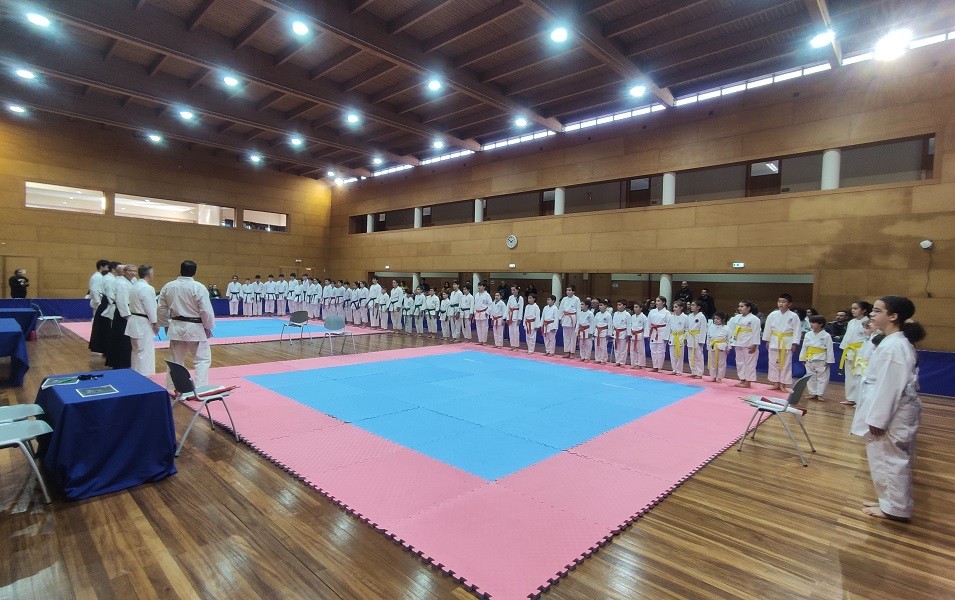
[
  {"x": 700, "y": 154},
  {"x": 605, "y": 222},
  {"x": 505, "y": 184},
  {"x": 664, "y": 217},
  {"x": 851, "y": 203},
  {"x": 724, "y": 236}
]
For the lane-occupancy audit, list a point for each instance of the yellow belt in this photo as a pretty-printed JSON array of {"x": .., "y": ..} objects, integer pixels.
[
  {"x": 813, "y": 351},
  {"x": 739, "y": 329},
  {"x": 855, "y": 347},
  {"x": 677, "y": 338},
  {"x": 693, "y": 332},
  {"x": 780, "y": 336},
  {"x": 715, "y": 354},
  {"x": 859, "y": 366}
]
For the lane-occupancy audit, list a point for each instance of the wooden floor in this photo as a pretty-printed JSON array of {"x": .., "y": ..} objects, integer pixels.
[{"x": 230, "y": 524}]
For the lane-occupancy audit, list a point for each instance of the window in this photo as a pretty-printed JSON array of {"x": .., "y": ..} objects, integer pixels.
[
  {"x": 513, "y": 206},
  {"x": 264, "y": 221},
  {"x": 158, "y": 209},
  {"x": 764, "y": 178},
  {"x": 451, "y": 213},
  {"x": 801, "y": 173},
  {"x": 395, "y": 219},
  {"x": 358, "y": 224},
  {"x": 714, "y": 183},
  {"x": 57, "y": 197},
  {"x": 594, "y": 196},
  {"x": 887, "y": 162}
]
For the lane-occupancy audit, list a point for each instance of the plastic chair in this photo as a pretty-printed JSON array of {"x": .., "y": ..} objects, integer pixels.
[
  {"x": 182, "y": 381},
  {"x": 298, "y": 319},
  {"x": 767, "y": 407},
  {"x": 21, "y": 434},
  {"x": 44, "y": 319},
  {"x": 19, "y": 412},
  {"x": 335, "y": 328}
]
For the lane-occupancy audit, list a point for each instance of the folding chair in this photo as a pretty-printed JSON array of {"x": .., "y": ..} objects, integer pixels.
[
  {"x": 335, "y": 328},
  {"x": 21, "y": 434},
  {"x": 19, "y": 412},
  {"x": 767, "y": 407},
  {"x": 298, "y": 319},
  {"x": 44, "y": 319},
  {"x": 182, "y": 381}
]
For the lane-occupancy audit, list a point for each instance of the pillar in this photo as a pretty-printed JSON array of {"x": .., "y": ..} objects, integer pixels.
[
  {"x": 475, "y": 280},
  {"x": 418, "y": 217},
  {"x": 369, "y": 223},
  {"x": 415, "y": 279},
  {"x": 669, "y": 188},
  {"x": 559, "y": 203},
  {"x": 666, "y": 287},
  {"x": 557, "y": 284},
  {"x": 831, "y": 165},
  {"x": 479, "y": 210}
]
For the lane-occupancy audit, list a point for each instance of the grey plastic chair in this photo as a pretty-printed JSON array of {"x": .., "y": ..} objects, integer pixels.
[
  {"x": 335, "y": 328},
  {"x": 182, "y": 381},
  {"x": 298, "y": 319},
  {"x": 21, "y": 434},
  {"x": 44, "y": 319},
  {"x": 766, "y": 409},
  {"x": 19, "y": 412}
]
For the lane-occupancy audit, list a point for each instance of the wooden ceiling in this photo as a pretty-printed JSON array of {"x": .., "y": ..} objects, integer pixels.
[{"x": 136, "y": 63}]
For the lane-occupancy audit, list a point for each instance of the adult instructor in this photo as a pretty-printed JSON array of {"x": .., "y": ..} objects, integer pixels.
[{"x": 186, "y": 313}]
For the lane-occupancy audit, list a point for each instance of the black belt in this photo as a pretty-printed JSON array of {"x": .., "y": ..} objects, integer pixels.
[
  {"x": 188, "y": 319},
  {"x": 139, "y": 315}
]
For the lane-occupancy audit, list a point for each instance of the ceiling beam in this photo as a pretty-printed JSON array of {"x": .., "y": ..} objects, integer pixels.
[
  {"x": 367, "y": 75},
  {"x": 252, "y": 28},
  {"x": 143, "y": 121},
  {"x": 405, "y": 84},
  {"x": 198, "y": 77},
  {"x": 490, "y": 49},
  {"x": 357, "y": 5},
  {"x": 290, "y": 50},
  {"x": 299, "y": 110},
  {"x": 544, "y": 78},
  {"x": 156, "y": 30},
  {"x": 370, "y": 34},
  {"x": 482, "y": 19},
  {"x": 649, "y": 15},
  {"x": 771, "y": 59},
  {"x": 819, "y": 12},
  {"x": 74, "y": 64},
  {"x": 153, "y": 67},
  {"x": 589, "y": 34},
  {"x": 268, "y": 100},
  {"x": 195, "y": 19},
  {"x": 110, "y": 48},
  {"x": 414, "y": 15},
  {"x": 530, "y": 59},
  {"x": 332, "y": 62}
]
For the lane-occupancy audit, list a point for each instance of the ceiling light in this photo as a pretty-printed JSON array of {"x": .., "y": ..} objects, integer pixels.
[
  {"x": 434, "y": 85},
  {"x": 363, "y": 178},
  {"x": 230, "y": 81},
  {"x": 26, "y": 74},
  {"x": 295, "y": 141},
  {"x": 438, "y": 144},
  {"x": 339, "y": 181},
  {"x": 823, "y": 39},
  {"x": 299, "y": 28},
  {"x": 16, "y": 108},
  {"x": 352, "y": 118},
  {"x": 330, "y": 173},
  {"x": 187, "y": 114},
  {"x": 638, "y": 90},
  {"x": 256, "y": 158},
  {"x": 520, "y": 122},
  {"x": 155, "y": 138},
  {"x": 559, "y": 35},
  {"x": 893, "y": 44},
  {"x": 377, "y": 160},
  {"x": 38, "y": 19}
]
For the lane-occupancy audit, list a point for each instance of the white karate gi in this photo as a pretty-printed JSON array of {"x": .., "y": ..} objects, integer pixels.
[
  {"x": 889, "y": 400},
  {"x": 467, "y": 314},
  {"x": 515, "y": 312},
  {"x": 585, "y": 333},
  {"x": 432, "y": 304},
  {"x": 269, "y": 288},
  {"x": 818, "y": 355},
  {"x": 384, "y": 301},
  {"x": 550, "y": 317},
  {"x": 185, "y": 297},
  {"x": 638, "y": 347},
  {"x": 281, "y": 297},
  {"x": 418, "y": 313},
  {"x": 139, "y": 328},
  {"x": 248, "y": 297},
  {"x": 407, "y": 312},
  {"x": 454, "y": 313},
  {"x": 746, "y": 335},
  {"x": 444, "y": 318},
  {"x": 362, "y": 306},
  {"x": 258, "y": 289},
  {"x": 602, "y": 322},
  {"x": 851, "y": 345},
  {"x": 569, "y": 307},
  {"x": 678, "y": 326},
  {"x": 696, "y": 342},
  {"x": 718, "y": 342},
  {"x": 373, "y": 293},
  {"x": 482, "y": 303},
  {"x": 620, "y": 324},
  {"x": 395, "y": 299},
  {"x": 659, "y": 334},
  {"x": 783, "y": 330},
  {"x": 95, "y": 288},
  {"x": 496, "y": 313},
  {"x": 531, "y": 319}
]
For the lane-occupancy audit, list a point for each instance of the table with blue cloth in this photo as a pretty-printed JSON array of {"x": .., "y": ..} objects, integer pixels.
[
  {"x": 111, "y": 442},
  {"x": 26, "y": 317},
  {"x": 13, "y": 344}
]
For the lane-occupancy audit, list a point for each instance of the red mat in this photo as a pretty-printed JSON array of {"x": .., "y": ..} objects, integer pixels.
[{"x": 508, "y": 539}]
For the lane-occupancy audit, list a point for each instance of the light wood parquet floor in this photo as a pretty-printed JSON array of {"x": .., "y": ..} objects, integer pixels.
[{"x": 230, "y": 524}]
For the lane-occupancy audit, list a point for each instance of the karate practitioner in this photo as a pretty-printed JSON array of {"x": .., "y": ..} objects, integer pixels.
[
  {"x": 678, "y": 324},
  {"x": 620, "y": 323},
  {"x": 602, "y": 320},
  {"x": 569, "y": 307},
  {"x": 851, "y": 345},
  {"x": 515, "y": 313},
  {"x": 269, "y": 290},
  {"x": 142, "y": 326},
  {"x": 658, "y": 332},
  {"x": 394, "y": 305},
  {"x": 638, "y": 348},
  {"x": 718, "y": 341},
  {"x": 186, "y": 313},
  {"x": 454, "y": 310},
  {"x": 443, "y": 317},
  {"x": 121, "y": 347},
  {"x": 467, "y": 311},
  {"x": 889, "y": 409},
  {"x": 585, "y": 332},
  {"x": 384, "y": 301},
  {"x": 374, "y": 291},
  {"x": 98, "y": 302},
  {"x": 258, "y": 297},
  {"x": 248, "y": 297},
  {"x": 782, "y": 334},
  {"x": 234, "y": 292},
  {"x": 496, "y": 312},
  {"x": 745, "y": 335},
  {"x": 482, "y": 303},
  {"x": 532, "y": 315},
  {"x": 361, "y": 304},
  {"x": 550, "y": 318},
  {"x": 696, "y": 338},
  {"x": 432, "y": 304},
  {"x": 817, "y": 355},
  {"x": 281, "y": 293}
]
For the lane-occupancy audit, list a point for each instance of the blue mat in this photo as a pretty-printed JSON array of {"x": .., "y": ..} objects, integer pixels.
[{"x": 486, "y": 414}]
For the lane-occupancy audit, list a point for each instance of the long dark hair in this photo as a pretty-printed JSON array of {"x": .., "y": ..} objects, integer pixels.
[{"x": 905, "y": 310}]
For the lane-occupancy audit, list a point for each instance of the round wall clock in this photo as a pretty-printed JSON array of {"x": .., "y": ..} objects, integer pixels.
[{"x": 511, "y": 241}]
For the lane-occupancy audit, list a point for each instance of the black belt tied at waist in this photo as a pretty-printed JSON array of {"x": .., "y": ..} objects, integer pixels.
[
  {"x": 139, "y": 315},
  {"x": 188, "y": 319}
]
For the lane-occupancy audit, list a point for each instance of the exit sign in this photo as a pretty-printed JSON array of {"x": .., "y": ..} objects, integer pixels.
[{"x": 738, "y": 265}]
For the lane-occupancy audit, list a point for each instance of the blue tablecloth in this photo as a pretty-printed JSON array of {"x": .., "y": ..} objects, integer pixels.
[
  {"x": 13, "y": 344},
  {"x": 78, "y": 309},
  {"x": 26, "y": 317},
  {"x": 107, "y": 443}
]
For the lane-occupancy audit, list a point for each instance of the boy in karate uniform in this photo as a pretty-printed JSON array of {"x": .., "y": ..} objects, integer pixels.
[
  {"x": 658, "y": 332},
  {"x": 482, "y": 303},
  {"x": 696, "y": 339},
  {"x": 417, "y": 310},
  {"x": 281, "y": 291},
  {"x": 407, "y": 311},
  {"x": 270, "y": 296},
  {"x": 532, "y": 314},
  {"x": 361, "y": 295},
  {"x": 258, "y": 289},
  {"x": 467, "y": 311},
  {"x": 248, "y": 296},
  {"x": 384, "y": 301},
  {"x": 569, "y": 307},
  {"x": 515, "y": 312},
  {"x": 496, "y": 312},
  {"x": 432, "y": 304},
  {"x": 677, "y": 324},
  {"x": 443, "y": 315},
  {"x": 602, "y": 320},
  {"x": 549, "y": 318},
  {"x": 454, "y": 310},
  {"x": 718, "y": 336},
  {"x": 374, "y": 291},
  {"x": 395, "y": 300},
  {"x": 621, "y": 333},
  {"x": 638, "y": 349},
  {"x": 234, "y": 292},
  {"x": 585, "y": 332},
  {"x": 745, "y": 335},
  {"x": 328, "y": 293},
  {"x": 782, "y": 334},
  {"x": 817, "y": 354}
]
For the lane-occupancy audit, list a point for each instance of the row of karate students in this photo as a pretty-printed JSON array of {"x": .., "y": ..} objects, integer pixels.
[{"x": 348, "y": 300}]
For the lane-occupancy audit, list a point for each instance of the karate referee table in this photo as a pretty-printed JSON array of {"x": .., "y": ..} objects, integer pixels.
[
  {"x": 107, "y": 442},
  {"x": 26, "y": 317},
  {"x": 13, "y": 344}
]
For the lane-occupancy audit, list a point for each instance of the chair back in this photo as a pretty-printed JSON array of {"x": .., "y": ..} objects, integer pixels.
[
  {"x": 299, "y": 317},
  {"x": 181, "y": 379},
  {"x": 795, "y": 395},
  {"x": 334, "y": 324},
  {"x": 37, "y": 308}
]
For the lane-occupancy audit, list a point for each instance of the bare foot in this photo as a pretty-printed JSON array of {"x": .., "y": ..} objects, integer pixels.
[
  {"x": 848, "y": 403},
  {"x": 743, "y": 384},
  {"x": 812, "y": 397},
  {"x": 875, "y": 512},
  {"x": 870, "y": 503},
  {"x": 656, "y": 370}
]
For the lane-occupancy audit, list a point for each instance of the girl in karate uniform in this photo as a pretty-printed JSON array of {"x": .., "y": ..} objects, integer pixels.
[
  {"x": 549, "y": 325},
  {"x": 444, "y": 319},
  {"x": 718, "y": 336},
  {"x": 696, "y": 339},
  {"x": 585, "y": 333},
  {"x": 496, "y": 312},
  {"x": 532, "y": 314},
  {"x": 678, "y": 324},
  {"x": 658, "y": 333},
  {"x": 602, "y": 320},
  {"x": 746, "y": 336},
  {"x": 638, "y": 348}
]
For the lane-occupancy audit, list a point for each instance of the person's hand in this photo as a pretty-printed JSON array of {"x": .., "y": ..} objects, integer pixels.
[
  {"x": 752, "y": 349},
  {"x": 795, "y": 346},
  {"x": 876, "y": 432},
  {"x": 208, "y": 333},
  {"x": 155, "y": 328}
]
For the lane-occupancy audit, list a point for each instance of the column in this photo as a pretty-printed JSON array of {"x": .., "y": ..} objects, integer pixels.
[
  {"x": 557, "y": 284},
  {"x": 669, "y": 188},
  {"x": 559, "y": 198},
  {"x": 415, "y": 280},
  {"x": 666, "y": 287},
  {"x": 475, "y": 280},
  {"x": 369, "y": 223},
  {"x": 831, "y": 165},
  {"x": 418, "y": 217},
  {"x": 479, "y": 210}
]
